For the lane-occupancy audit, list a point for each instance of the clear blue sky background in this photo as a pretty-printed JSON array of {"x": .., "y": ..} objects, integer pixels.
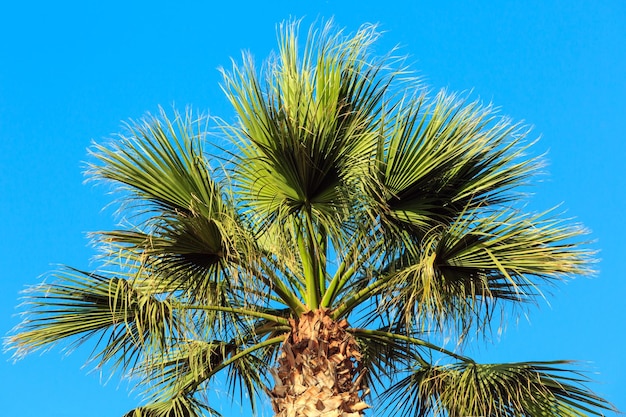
[{"x": 71, "y": 72}]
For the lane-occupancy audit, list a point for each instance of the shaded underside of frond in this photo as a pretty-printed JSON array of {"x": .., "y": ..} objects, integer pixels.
[{"x": 383, "y": 357}]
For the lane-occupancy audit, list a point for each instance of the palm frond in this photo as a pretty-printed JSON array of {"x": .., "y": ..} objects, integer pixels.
[
  {"x": 187, "y": 254},
  {"x": 183, "y": 369},
  {"x": 126, "y": 322},
  {"x": 160, "y": 163},
  {"x": 383, "y": 357},
  {"x": 189, "y": 233},
  {"x": 443, "y": 157},
  {"x": 308, "y": 129},
  {"x": 190, "y": 366},
  {"x": 179, "y": 406},
  {"x": 494, "y": 390},
  {"x": 248, "y": 376},
  {"x": 457, "y": 274}
]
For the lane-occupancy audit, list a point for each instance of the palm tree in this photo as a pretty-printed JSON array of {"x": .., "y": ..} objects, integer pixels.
[{"x": 337, "y": 232}]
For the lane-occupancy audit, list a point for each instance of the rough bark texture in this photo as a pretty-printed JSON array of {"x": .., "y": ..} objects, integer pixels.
[{"x": 318, "y": 373}]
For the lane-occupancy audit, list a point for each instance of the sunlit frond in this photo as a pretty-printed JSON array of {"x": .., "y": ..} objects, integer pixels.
[
  {"x": 444, "y": 156},
  {"x": 79, "y": 305},
  {"x": 160, "y": 163},
  {"x": 179, "y": 406},
  {"x": 308, "y": 128},
  {"x": 494, "y": 390},
  {"x": 188, "y": 233},
  {"x": 457, "y": 274}
]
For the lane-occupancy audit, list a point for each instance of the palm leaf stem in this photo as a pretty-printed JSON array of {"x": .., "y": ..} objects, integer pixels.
[
  {"x": 307, "y": 256},
  {"x": 321, "y": 256},
  {"x": 366, "y": 293},
  {"x": 293, "y": 300},
  {"x": 345, "y": 272},
  {"x": 413, "y": 340},
  {"x": 334, "y": 286},
  {"x": 243, "y": 311},
  {"x": 274, "y": 340},
  {"x": 273, "y": 281},
  {"x": 318, "y": 258}
]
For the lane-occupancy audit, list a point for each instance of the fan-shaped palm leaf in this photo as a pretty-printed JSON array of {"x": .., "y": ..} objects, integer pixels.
[
  {"x": 128, "y": 321},
  {"x": 494, "y": 390}
]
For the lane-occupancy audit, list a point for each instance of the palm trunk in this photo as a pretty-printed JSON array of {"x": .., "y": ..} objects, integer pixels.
[{"x": 318, "y": 372}]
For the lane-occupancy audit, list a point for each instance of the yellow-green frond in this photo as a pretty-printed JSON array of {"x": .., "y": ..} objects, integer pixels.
[
  {"x": 457, "y": 274},
  {"x": 160, "y": 163},
  {"x": 525, "y": 389},
  {"x": 443, "y": 156},
  {"x": 307, "y": 126},
  {"x": 128, "y": 321}
]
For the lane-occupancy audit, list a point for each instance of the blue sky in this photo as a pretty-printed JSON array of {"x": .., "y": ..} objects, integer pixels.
[{"x": 70, "y": 73}]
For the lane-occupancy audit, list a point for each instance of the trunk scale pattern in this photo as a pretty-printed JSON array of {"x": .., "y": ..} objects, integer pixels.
[{"x": 318, "y": 372}]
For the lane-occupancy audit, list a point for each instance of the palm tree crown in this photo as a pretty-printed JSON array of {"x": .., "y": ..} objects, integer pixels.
[{"x": 317, "y": 254}]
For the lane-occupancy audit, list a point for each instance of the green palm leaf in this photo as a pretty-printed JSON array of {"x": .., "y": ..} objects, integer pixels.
[
  {"x": 128, "y": 321},
  {"x": 458, "y": 273},
  {"x": 494, "y": 390},
  {"x": 161, "y": 165},
  {"x": 180, "y": 406},
  {"x": 309, "y": 131},
  {"x": 444, "y": 157}
]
